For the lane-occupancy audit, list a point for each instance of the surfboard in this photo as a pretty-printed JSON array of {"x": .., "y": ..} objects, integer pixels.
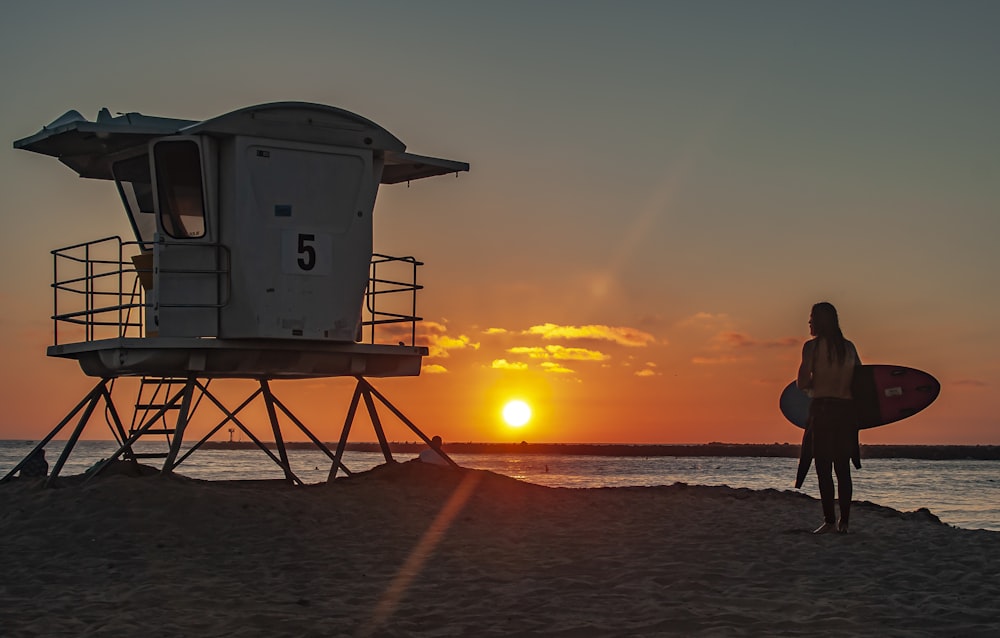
[{"x": 883, "y": 394}]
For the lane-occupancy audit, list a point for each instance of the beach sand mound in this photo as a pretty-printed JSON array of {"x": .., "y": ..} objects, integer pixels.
[{"x": 414, "y": 549}]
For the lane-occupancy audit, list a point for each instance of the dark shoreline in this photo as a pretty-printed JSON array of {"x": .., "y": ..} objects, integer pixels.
[{"x": 927, "y": 452}]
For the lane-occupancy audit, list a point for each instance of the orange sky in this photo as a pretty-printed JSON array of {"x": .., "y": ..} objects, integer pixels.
[{"x": 656, "y": 198}]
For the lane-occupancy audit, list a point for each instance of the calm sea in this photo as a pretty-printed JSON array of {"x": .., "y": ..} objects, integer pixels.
[{"x": 961, "y": 493}]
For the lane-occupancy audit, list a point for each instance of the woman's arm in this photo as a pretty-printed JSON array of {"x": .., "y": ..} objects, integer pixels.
[{"x": 804, "y": 381}]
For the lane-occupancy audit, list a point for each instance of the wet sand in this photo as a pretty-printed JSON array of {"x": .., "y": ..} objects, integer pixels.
[{"x": 412, "y": 549}]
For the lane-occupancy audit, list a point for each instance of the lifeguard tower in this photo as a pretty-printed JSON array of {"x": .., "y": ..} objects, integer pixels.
[{"x": 252, "y": 259}]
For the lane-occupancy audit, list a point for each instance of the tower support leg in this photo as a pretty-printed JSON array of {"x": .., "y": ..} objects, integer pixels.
[
  {"x": 230, "y": 416},
  {"x": 182, "y": 421},
  {"x": 95, "y": 396},
  {"x": 312, "y": 437},
  {"x": 51, "y": 435},
  {"x": 407, "y": 422},
  {"x": 279, "y": 442},
  {"x": 366, "y": 390},
  {"x": 342, "y": 443},
  {"x": 186, "y": 408}
]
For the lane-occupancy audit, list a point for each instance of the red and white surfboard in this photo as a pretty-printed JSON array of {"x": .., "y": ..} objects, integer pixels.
[{"x": 884, "y": 394}]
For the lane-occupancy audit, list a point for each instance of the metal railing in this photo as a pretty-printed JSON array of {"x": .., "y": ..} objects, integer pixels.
[
  {"x": 396, "y": 276},
  {"x": 97, "y": 293}
]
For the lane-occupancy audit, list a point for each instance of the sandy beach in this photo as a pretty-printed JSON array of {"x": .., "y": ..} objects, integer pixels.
[{"x": 412, "y": 549}]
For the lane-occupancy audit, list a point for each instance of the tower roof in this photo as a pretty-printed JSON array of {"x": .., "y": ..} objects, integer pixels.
[{"x": 89, "y": 147}]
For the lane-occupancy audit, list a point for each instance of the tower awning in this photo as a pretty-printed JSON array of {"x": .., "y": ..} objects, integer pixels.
[
  {"x": 89, "y": 147},
  {"x": 403, "y": 167},
  {"x": 86, "y": 147}
]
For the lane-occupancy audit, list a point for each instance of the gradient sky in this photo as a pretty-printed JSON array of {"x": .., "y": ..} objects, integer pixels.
[{"x": 658, "y": 194}]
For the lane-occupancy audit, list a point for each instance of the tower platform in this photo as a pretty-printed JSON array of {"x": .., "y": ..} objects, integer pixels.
[{"x": 239, "y": 358}]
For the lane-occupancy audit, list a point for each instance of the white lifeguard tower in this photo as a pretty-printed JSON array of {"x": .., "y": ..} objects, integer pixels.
[{"x": 252, "y": 259}]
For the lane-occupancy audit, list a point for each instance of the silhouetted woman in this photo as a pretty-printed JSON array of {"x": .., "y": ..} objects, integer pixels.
[{"x": 826, "y": 372}]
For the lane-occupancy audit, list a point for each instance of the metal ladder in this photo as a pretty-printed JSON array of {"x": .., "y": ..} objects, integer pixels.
[{"x": 153, "y": 403}]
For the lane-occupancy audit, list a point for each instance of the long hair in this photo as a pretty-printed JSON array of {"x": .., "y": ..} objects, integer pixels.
[{"x": 826, "y": 325}]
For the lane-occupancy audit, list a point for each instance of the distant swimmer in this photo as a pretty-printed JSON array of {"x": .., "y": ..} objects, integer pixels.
[
  {"x": 825, "y": 373},
  {"x": 432, "y": 454}
]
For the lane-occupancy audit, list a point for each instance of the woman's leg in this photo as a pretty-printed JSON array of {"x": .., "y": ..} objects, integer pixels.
[
  {"x": 845, "y": 491},
  {"x": 824, "y": 473}
]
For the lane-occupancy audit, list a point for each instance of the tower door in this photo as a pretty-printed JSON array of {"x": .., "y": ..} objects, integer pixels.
[{"x": 189, "y": 267}]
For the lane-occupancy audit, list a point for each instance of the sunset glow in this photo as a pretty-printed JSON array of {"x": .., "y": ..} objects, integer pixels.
[{"x": 657, "y": 194}]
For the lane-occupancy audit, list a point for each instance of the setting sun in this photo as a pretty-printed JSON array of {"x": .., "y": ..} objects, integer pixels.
[{"x": 516, "y": 413}]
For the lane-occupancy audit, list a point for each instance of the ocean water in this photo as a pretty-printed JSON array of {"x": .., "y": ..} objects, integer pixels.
[{"x": 963, "y": 493}]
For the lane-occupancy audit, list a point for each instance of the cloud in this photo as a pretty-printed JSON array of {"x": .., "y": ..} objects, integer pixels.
[
  {"x": 731, "y": 339},
  {"x": 495, "y": 331},
  {"x": 532, "y": 351},
  {"x": 400, "y": 332},
  {"x": 440, "y": 346},
  {"x": 722, "y": 346},
  {"x": 648, "y": 371},
  {"x": 439, "y": 343},
  {"x": 970, "y": 383},
  {"x": 576, "y": 354},
  {"x": 560, "y": 352},
  {"x": 556, "y": 368},
  {"x": 727, "y": 337},
  {"x": 720, "y": 360},
  {"x": 783, "y": 342},
  {"x": 705, "y": 318},
  {"x": 434, "y": 369},
  {"x": 503, "y": 364},
  {"x": 621, "y": 335}
]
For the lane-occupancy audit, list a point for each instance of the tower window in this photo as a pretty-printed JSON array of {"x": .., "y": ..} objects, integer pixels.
[{"x": 179, "y": 188}]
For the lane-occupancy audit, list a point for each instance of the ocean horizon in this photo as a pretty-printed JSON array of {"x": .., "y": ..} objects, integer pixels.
[{"x": 961, "y": 491}]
